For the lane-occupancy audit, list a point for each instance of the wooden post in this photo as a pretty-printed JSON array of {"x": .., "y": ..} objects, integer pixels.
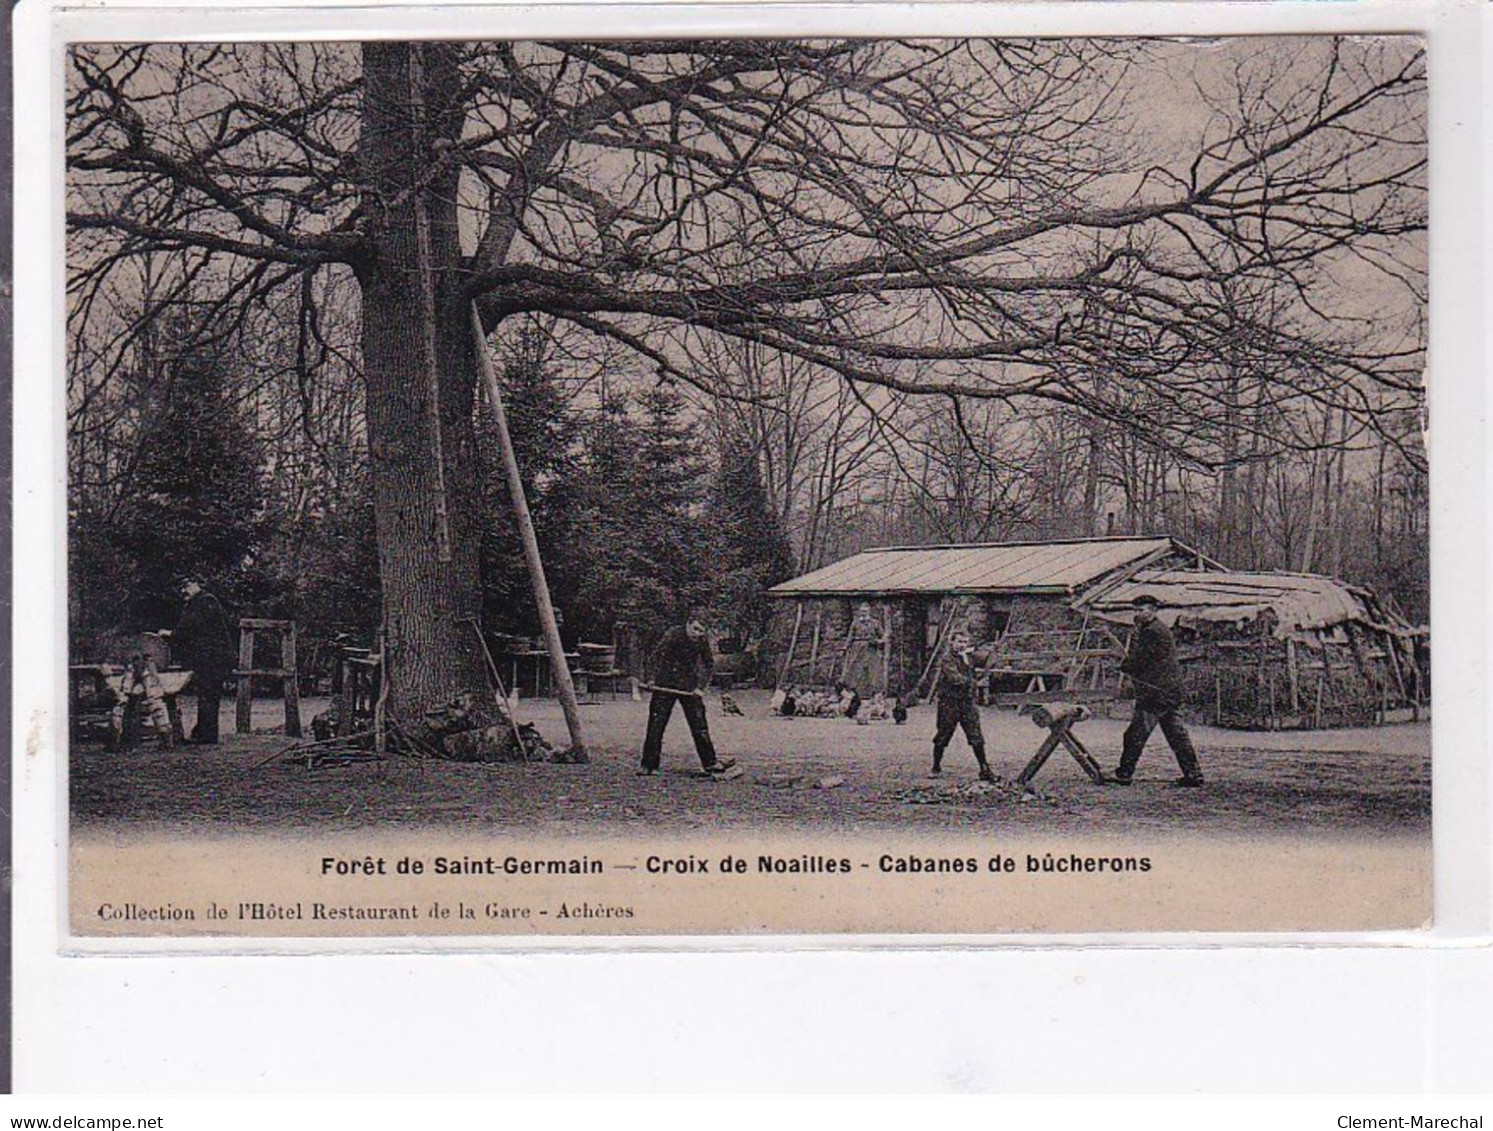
[
  {"x": 500, "y": 693},
  {"x": 814, "y": 646},
  {"x": 848, "y": 643},
  {"x": 291, "y": 682},
  {"x": 173, "y": 716},
  {"x": 938, "y": 646},
  {"x": 1392, "y": 648},
  {"x": 244, "y": 694},
  {"x": 1076, "y": 663},
  {"x": 558, "y": 666},
  {"x": 1293, "y": 676},
  {"x": 1260, "y": 680},
  {"x": 1418, "y": 695},
  {"x": 798, "y": 620},
  {"x": 886, "y": 647}
]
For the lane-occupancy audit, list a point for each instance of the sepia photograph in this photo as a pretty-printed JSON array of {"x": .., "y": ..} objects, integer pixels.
[{"x": 934, "y": 487}]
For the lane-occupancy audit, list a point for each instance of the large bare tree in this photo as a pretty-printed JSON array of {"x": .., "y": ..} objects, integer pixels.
[{"x": 972, "y": 219}]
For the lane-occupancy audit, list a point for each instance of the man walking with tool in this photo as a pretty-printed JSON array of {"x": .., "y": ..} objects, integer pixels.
[
  {"x": 1151, "y": 664},
  {"x": 681, "y": 668}
]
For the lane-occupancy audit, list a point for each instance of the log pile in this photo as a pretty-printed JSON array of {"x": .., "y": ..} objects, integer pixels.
[
  {"x": 997, "y": 792},
  {"x": 467, "y": 729},
  {"x": 841, "y": 703}
]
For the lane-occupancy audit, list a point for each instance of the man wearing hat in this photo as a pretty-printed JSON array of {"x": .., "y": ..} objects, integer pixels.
[
  {"x": 204, "y": 642},
  {"x": 682, "y": 665},
  {"x": 1151, "y": 664}
]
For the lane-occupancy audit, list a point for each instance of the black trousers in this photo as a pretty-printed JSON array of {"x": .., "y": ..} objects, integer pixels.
[
  {"x": 208, "y": 686},
  {"x": 1142, "y": 722},
  {"x": 660, "y": 707},
  {"x": 958, "y": 712}
]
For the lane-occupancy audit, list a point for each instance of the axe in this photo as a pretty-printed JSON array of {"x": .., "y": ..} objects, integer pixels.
[{"x": 700, "y": 695}]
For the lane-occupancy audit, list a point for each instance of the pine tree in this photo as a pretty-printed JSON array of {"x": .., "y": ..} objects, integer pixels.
[
  {"x": 604, "y": 555},
  {"x": 335, "y": 580},
  {"x": 544, "y": 431},
  {"x": 640, "y": 552},
  {"x": 668, "y": 500},
  {"x": 195, "y": 505},
  {"x": 753, "y": 553}
]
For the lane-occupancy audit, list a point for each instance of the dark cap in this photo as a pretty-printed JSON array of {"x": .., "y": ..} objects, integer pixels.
[{"x": 1146, "y": 599}]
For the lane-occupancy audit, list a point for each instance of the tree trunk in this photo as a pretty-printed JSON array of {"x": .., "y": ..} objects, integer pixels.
[
  {"x": 433, "y": 654},
  {"x": 1227, "y": 541},
  {"x": 1254, "y": 527},
  {"x": 1309, "y": 547},
  {"x": 1327, "y": 521},
  {"x": 1339, "y": 526},
  {"x": 1379, "y": 507},
  {"x": 1091, "y": 477}
]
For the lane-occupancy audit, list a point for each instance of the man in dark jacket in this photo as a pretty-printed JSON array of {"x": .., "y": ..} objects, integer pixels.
[
  {"x": 1151, "y": 664},
  {"x": 681, "y": 668},
  {"x": 204, "y": 642},
  {"x": 958, "y": 680}
]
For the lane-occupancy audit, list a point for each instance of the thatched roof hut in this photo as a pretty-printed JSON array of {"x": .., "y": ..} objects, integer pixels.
[{"x": 1258, "y": 649}]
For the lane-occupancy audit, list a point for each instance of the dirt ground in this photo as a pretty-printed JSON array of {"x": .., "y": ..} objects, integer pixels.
[{"x": 820, "y": 775}]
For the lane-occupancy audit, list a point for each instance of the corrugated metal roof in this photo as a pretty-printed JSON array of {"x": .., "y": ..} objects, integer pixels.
[
  {"x": 1301, "y": 602},
  {"x": 1010, "y": 567}
]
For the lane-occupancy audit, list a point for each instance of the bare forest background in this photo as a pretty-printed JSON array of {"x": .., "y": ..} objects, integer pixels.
[{"x": 754, "y": 306}]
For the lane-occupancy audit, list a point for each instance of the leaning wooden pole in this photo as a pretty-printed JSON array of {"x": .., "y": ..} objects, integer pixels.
[{"x": 558, "y": 666}]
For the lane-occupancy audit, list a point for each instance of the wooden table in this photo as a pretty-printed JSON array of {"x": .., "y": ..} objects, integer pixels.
[{"x": 543, "y": 681}]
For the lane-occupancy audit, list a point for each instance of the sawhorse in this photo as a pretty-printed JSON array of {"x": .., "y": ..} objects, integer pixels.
[
  {"x": 1059, "y": 720},
  {"x": 286, "y": 673}
]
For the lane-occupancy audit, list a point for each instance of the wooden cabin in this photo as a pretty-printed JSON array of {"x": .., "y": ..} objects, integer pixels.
[{"x": 1257, "y": 650}]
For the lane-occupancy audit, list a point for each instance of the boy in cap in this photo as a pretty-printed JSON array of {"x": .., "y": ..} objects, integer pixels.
[
  {"x": 958, "y": 678},
  {"x": 1151, "y": 664}
]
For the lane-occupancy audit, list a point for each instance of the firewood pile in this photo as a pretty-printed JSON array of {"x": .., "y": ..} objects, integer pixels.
[
  {"x": 465, "y": 729},
  {"x": 802, "y": 781},
  {"x": 330, "y": 724},
  {"x": 879, "y": 709},
  {"x": 841, "y": 703},
  {"x": 997, "y": 792},
  {"x": 805, "y": 703},
  {"x": 333, "y": 752},
  {"x": 470, "y": 730}
]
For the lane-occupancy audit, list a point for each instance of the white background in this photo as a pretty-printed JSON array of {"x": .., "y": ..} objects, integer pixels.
[{"x": 1405, "y": 1015}]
